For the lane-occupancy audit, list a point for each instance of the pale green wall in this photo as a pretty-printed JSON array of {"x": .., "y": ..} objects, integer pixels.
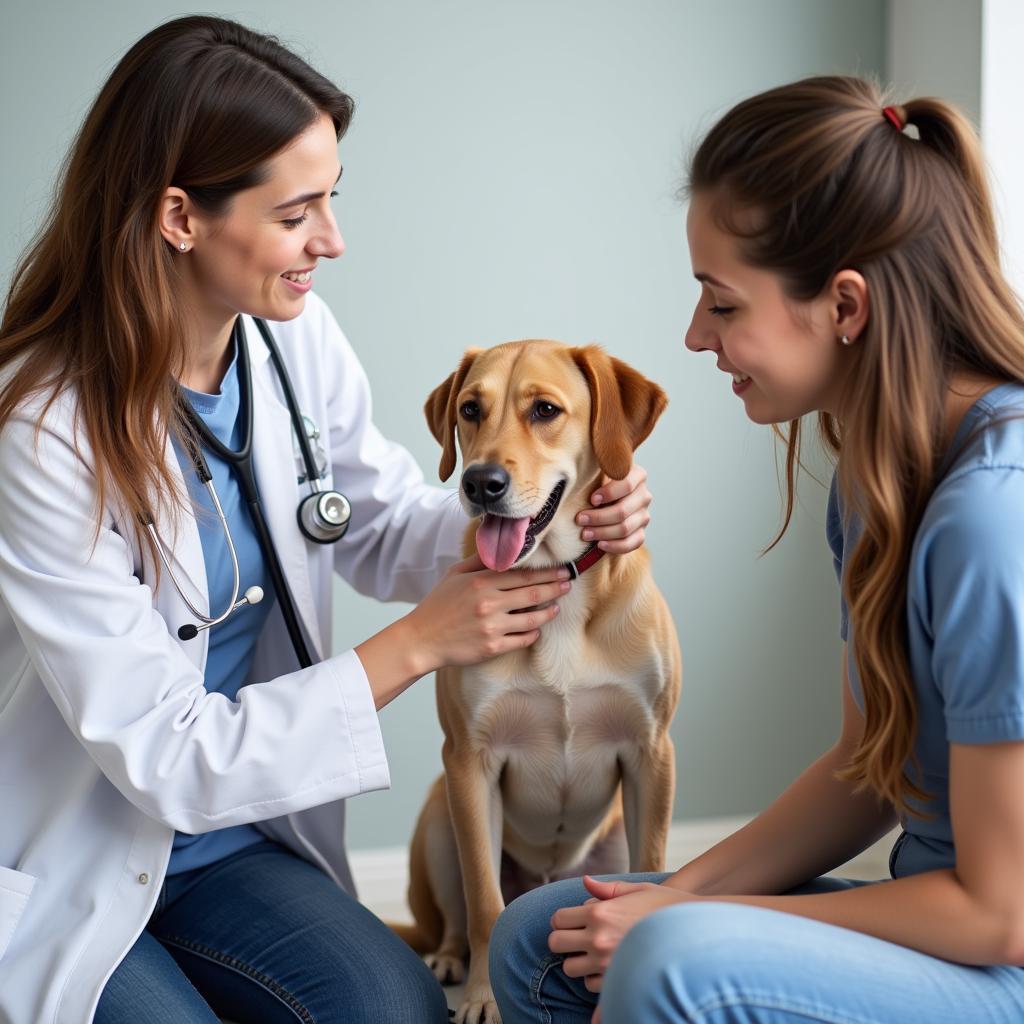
[{"x": 511, "y": 172}]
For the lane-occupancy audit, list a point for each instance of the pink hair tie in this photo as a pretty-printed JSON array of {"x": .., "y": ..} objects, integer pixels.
[{"x": 894, "y": 117}]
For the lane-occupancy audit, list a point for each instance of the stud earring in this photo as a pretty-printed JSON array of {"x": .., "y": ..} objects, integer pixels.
[
  {"x": 846, "y": 340},
  {"x": 183, "y": 247}
]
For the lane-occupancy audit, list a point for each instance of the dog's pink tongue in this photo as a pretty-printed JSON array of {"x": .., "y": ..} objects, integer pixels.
[{"x": 499, "y": 541}]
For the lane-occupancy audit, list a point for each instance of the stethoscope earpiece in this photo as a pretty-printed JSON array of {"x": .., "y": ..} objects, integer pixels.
[{"x": 190, "y": 630}]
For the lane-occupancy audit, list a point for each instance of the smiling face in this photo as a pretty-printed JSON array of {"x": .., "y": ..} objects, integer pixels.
[
  {"x": 521, "y": 415},
  {"x": 523, "y": 422},
  {"x": 260, "y": 256},
  {"x": 784, "y": 356}
]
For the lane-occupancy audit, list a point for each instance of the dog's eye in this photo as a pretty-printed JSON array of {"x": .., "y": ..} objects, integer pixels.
[
  {"x": 469, "y": 411},
  {"x": 545, "y": 411}
]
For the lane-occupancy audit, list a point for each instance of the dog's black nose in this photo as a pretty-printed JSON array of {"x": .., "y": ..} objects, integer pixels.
[{"x": 485, "y": 483}]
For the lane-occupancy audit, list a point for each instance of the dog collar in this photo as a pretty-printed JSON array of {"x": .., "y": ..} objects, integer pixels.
[{"x": 584, "y": 562}]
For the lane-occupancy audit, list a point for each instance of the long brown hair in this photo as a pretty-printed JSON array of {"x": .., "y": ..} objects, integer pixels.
[
  {"x": 834, "y": 184},
  {"x": 199, "y": 103}
]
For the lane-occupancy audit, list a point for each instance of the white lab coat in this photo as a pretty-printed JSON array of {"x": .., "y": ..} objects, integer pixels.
[{"x": 108, "y": 740}]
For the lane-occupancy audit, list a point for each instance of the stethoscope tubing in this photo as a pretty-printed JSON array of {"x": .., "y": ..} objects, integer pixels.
[
  {"x": 208, "y": 621},
  {"x": 240, "y": 462},
  {"x": 312, "y": 473}
]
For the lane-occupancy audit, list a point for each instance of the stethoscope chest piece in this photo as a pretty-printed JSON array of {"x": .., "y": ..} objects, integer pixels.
[{"x": 324, "y": 516}]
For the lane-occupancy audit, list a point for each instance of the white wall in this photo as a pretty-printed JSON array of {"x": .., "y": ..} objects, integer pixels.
[{"x": 1002, "y": 86}]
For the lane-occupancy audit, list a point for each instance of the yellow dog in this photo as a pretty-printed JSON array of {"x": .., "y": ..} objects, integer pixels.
[{"x": 557, "y": 757}]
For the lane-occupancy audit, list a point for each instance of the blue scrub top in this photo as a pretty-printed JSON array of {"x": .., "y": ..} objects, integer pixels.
[
  {"x": 232, "y": 642},
  {"x": 965, "y": 612}
]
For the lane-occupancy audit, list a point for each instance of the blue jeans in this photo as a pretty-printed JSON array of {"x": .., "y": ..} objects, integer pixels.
[
  {"x": 726, "y": 963},
  {"x": 263, "y": 937}
]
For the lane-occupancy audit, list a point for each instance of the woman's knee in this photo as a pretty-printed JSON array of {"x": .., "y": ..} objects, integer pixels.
[
  {"x": 524, "y": 925},
  {"x": 417, "y": 996},
  {"x": 392, "y": 983},
  {"x": 405, "y": 993},
  {"x": 519, "y": 939},
  {"x": 680, "y": 959}
]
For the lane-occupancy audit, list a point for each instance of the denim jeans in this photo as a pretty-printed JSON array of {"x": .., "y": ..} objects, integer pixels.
[
  {"x": 726, "y": 963},
  {"x": 262, "y": 937}
]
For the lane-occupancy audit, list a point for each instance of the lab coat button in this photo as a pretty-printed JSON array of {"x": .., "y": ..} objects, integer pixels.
[{"x": 143, "y": 878}]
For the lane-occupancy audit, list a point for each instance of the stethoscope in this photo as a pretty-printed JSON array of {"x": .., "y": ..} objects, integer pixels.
[{"x": 323, "y": 516}]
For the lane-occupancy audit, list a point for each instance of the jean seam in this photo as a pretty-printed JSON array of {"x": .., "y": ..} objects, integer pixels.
[
  {"x": 815, "y": 1013},
  {"x": 233, "y": 963},
  {"x": 538, "y": 979}
]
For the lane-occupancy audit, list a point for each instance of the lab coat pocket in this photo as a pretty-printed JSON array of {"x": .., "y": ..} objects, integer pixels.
[{"x": 15, "y": 889}]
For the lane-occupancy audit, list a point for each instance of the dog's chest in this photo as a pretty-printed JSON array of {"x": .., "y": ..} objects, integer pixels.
[{"x": 560, "y": 712}]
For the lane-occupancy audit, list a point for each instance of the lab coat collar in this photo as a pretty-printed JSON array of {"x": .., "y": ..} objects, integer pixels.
[{"x": 259, "y": 354}]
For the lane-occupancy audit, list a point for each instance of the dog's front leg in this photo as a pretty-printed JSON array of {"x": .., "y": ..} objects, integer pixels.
[
  {"x": 648, "y": 782},
  {"x": 474, "y": 799}
]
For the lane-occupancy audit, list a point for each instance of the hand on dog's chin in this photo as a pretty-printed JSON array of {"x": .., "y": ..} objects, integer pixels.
[{"x": 499, "y": 540}]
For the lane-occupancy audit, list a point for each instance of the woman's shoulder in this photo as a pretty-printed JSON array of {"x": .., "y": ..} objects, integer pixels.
[
  {"x": 53, "y": 407},
  {"x": 991, "y": 436},
  {"x": 977, "y": 508},
  {"x": 44, "y": 434}
]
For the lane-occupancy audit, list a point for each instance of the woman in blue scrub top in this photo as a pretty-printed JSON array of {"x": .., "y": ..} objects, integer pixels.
[
  {"x": 849, "y": 268},
  {"x": 172, "y": 844}
]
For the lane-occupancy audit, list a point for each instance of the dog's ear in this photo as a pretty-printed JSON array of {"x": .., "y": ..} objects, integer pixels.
[
  {"x": 441, "y": 412},
  {"x": 624, "y": 406}
]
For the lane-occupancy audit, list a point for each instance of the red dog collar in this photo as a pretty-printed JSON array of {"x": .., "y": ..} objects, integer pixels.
[{"x": 584, "y": 562}]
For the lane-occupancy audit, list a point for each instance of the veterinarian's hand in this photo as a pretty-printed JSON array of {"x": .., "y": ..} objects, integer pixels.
[
  {"x": 619, "y": 513},
  {"x": 592, "y": 932},
  {"x": 475, "y": 613}
]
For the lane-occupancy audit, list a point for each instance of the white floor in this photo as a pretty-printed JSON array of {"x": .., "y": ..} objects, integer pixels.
[{"x": 382, "y": 875}]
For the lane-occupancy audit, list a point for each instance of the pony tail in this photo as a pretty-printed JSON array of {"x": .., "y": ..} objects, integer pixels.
[{"x": 948, "y": 132}]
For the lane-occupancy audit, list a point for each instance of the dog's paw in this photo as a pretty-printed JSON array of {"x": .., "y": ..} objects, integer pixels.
[
  {"x": 448, "y": 968},
  {"x": 478, "y": 1007}
]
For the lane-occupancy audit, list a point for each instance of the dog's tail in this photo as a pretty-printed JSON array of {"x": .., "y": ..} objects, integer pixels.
[
  {"x": 425, "y": 933},
  {"x": 415, "y": 936}
]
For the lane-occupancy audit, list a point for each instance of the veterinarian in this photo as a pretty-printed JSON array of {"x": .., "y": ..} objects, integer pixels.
[
  {"x": 178, "y": 483},
  {"x": 849, "y": 267}
]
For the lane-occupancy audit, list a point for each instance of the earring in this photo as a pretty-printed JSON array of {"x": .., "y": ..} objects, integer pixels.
[
  {"x": 846, "y": 340},
  {"x": 183, "y": 247}
]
